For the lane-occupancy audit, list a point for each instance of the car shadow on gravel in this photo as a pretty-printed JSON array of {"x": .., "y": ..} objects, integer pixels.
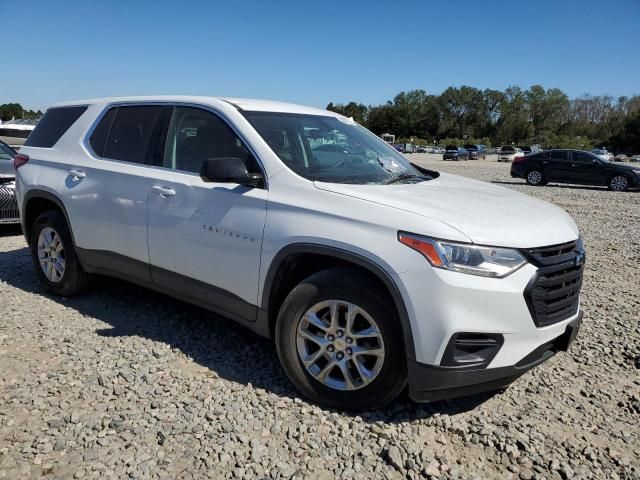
[
  {"x": 554, "y": 185},
  {"x": 220, "y": 345},
  {"x": 10, "y": 230}
]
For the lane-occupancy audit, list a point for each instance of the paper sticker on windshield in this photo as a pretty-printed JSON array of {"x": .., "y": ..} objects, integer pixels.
[
  {"x": 391, "y": 164},
  {"x": 347, "y": 120}
]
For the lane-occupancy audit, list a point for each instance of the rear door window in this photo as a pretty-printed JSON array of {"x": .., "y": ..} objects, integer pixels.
[
  {"x": 562, "y": 155},
  {"x": 54, "y": 124},
  {"x": 130, "y": 133}
]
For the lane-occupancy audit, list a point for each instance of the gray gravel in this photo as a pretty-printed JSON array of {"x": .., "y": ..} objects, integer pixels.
[{"x": 124, "y": 382}]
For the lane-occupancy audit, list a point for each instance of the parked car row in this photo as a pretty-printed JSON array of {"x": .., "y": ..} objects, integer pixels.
[{"x": 576, "y": 167}]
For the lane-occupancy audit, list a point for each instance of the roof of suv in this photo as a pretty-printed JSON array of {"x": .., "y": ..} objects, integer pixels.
[{"x": 249, "y": 104}]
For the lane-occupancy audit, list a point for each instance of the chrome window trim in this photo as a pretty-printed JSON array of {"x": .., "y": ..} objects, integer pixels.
[{"x": 151, "y": 103}]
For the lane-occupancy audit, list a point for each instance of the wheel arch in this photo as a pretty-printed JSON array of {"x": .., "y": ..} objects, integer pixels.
[
  {"x": 297, "y": 261},
  {"x": 35, "y": 202}
]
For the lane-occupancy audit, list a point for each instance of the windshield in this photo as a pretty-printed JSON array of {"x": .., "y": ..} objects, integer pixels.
[{"x": 331, "y": 150}]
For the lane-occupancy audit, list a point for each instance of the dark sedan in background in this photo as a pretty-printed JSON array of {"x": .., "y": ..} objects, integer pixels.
[
  {"x": 575, "y": 166},
  {"x": 8, "y": 205},
  {"x": 476, "y": 152},
  {"x": 455, "y": 153}
]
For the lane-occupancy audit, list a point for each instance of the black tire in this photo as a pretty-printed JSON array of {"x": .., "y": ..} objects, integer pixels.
[
  {"x": 74, "y": 279},
  {"x": 535, "y": 178},
  {"x": 618, "y": 183},
  {"x": 352, "y": 286}
]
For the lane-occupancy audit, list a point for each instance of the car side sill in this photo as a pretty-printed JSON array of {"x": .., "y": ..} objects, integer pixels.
[{"x": 178, "y": 286}]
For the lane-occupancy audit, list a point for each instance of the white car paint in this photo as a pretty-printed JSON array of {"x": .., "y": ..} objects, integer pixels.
[
  {"x": 116, "y": 206},
  {"x": 603, "y": 153}
]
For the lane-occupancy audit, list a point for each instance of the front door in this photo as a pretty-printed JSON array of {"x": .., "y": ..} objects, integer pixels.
[
  {"x": 205, "y": 238},
  {"x": 587, "y": 169}
]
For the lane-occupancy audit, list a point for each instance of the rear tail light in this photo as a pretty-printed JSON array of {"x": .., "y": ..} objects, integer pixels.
[
  {"x": 19, "y": 160},
  {"x": 518, "y": 159}
]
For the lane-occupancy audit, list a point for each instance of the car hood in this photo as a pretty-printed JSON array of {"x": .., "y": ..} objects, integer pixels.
[
  {"x": 624, "y": 166},
  {"x": 487, "y": 214}
]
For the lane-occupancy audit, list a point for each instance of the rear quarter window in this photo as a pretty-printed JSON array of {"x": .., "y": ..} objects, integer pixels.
[
  {"x": 128, "y": 133},
  {"x": 54, "y": 124}
]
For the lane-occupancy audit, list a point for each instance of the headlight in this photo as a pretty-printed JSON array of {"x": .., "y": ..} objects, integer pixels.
[{"x": 494, "y": 262}]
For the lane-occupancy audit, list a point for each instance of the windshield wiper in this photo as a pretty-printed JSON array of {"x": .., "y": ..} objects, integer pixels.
[{"x": 406, "y": 176}]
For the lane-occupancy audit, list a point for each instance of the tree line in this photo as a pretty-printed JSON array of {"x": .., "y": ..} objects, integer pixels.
[
  {"x": 15, "y": 110},
  {"x": 547, "y": 117}
]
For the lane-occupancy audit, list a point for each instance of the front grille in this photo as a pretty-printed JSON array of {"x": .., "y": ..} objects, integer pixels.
[
  {"x": 553, "y": 294},
  {"x": 8, "y": 205}
]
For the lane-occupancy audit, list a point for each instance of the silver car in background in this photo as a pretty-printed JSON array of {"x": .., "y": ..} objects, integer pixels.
[{"x": 8, "y": 205}]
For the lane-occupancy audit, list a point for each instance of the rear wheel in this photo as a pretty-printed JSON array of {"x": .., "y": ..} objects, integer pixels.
[
  {"x": 535, "y": 178},
  {"x": 619, "y": 183},
  {"x": 54, "y": 256},
  {"x": 339, "y": 343}
]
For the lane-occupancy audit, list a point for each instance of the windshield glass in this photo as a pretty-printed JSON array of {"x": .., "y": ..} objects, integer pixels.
[{"x": 331, "y": 150}]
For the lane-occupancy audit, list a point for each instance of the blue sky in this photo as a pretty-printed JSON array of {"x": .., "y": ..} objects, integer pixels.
[{"x": 313, "y": 52}]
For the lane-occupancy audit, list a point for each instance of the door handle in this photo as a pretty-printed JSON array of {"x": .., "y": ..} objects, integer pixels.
[
  {"x": 77, "y": 174},
  {"x": 164, "y": 192}
]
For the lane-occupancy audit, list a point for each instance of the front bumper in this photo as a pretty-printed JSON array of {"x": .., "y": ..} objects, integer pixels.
[{"x": 429, "y": 383}]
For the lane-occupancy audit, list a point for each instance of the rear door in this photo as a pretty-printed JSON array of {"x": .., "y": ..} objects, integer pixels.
[
  {"x": 587, "y": 169},
  {"x": 558, "y": 167},
  {"x": 105, "y": 190}
]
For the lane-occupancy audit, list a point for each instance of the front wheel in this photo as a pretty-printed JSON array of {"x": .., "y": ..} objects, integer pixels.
[
  {"x": 619, "y": 183},
  {"x": 535, "y": 178},
  {"x": 340, "y": 343}
]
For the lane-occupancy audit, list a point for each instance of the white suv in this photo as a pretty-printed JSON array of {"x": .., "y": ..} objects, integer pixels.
[{"x": 369, "y": 273}]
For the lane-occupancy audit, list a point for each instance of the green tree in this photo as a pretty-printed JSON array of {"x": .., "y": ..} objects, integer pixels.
[
  {"x": 10, "y": 110},
  {"x": 354, "y": 110}
]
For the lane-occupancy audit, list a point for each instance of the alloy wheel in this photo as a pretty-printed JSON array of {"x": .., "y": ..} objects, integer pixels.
[
  {"x": 619, "y": 183},
  {"x": 534, "y": 177},
  {"x": 340, "y": 345},
  {"x": 51, "y": 254}
]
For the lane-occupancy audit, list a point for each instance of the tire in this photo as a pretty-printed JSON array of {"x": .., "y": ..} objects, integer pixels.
[
  {"x": 65, "y": 278},
  {"x": 618, "y": 183},
  {"x": 320, "y": 293},
  {"x": 535, "y": 178}
]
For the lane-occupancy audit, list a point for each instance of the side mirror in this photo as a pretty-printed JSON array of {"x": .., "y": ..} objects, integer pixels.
[{"x": 229, "y": 170}]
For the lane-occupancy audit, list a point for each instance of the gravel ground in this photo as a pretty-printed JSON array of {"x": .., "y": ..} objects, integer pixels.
[{"x": 124, "y": 382}]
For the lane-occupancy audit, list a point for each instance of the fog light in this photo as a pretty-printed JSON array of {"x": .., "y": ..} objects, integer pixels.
[{"x": 467, "y": 349}]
